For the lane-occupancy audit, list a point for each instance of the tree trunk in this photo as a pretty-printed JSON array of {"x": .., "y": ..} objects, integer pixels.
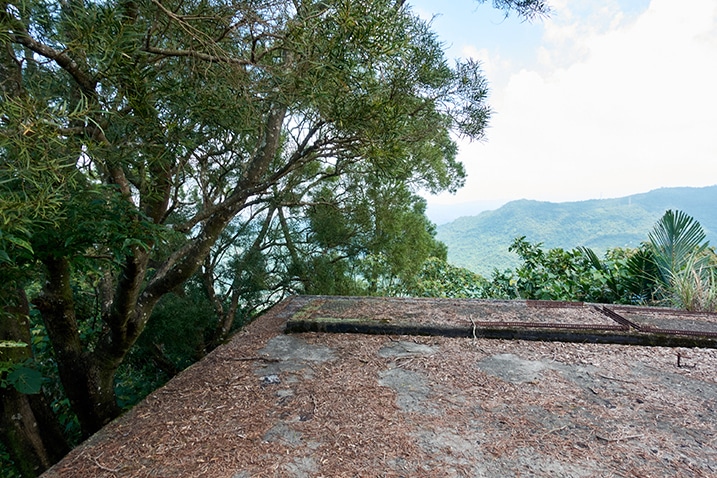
[
  {"x": 88, "y": 376},
  {"x": 88, "y": 381},
  {"x": 28, "y": 427},
  {"x": 30, "y": 431}
]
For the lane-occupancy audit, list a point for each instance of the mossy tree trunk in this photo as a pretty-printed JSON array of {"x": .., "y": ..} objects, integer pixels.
[{"x": 28, "y": 427}]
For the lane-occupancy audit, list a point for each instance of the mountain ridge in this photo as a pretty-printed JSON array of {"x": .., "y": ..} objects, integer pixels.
[{"x": 480, "y": 243}]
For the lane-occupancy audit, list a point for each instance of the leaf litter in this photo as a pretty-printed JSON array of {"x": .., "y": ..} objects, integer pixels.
[{"x": 350, "y": 405}]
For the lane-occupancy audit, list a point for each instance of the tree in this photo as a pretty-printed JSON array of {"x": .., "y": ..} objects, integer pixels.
[
  {"x": 674, "y": 241},
  {"x": 374, "y": 229},
  {"x": 152, "y": 129},
  {"x": 155, "y": 127},
  {"x": 27, "y": 425},
  {"x": 438, "y": 278},
  {"x": 29, "y": 431}
]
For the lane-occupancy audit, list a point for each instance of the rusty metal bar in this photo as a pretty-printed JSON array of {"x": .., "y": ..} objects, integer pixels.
[
  {"x": 691, "y": 333},
  {"x": 618, "y": 318},
  {"x": 553, "y": 304},
  {"x": 549, "y": 325}
]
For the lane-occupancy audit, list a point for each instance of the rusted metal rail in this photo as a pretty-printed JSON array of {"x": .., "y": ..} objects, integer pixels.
[
  {"x": 311, "y": 318},
  {"x": 617, "y": 317}
]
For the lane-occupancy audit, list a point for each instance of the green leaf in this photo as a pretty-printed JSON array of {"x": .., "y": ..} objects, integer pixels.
[
  {"x": 11, "y": 344},
  {"x": 20, "y": 243},
  {"x": 674, "y": 240},
  {"x": 25, "y": 380}
]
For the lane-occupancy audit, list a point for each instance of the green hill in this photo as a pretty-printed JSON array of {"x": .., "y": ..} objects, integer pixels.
[{"x": 480, "y": 243}]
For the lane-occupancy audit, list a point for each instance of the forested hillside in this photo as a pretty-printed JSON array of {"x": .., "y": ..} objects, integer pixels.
[{"x": 480, "y": 243}]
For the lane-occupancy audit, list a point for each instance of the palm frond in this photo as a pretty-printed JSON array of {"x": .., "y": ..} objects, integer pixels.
[{"x": 675, "y": 239}]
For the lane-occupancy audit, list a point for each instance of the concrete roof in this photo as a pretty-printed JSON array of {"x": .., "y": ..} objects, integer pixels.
[{"x": 428, "y": 387}]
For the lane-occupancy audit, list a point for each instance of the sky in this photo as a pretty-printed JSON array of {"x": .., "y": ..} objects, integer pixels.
[{"x": 604, "y": 98}]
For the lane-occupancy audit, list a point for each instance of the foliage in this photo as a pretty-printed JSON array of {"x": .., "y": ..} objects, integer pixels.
[
  {"x": 567, "y": 275},
  {"x": 694, "y": 287},
  {"x": 553, "y": 275},
  {"x": 639, "y": 273},
  {"x": 176, "y": 336},
  {"x": 11, "y": 344},
  {"x": 684, "y": 263},
  {"x": 398, "y": 236},
  {"x": 329, "y": 275},
  {"x": 676, "y": 240},
  {"x": 22, "y": 377},
  {"x": 674, "y": 267},
  {"x": 438, "y": 278},
  {"x": 373, "y": 237},
  {"x": 8, "y": 465}
]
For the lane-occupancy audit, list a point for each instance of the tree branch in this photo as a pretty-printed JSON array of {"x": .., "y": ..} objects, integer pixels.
[
  {"x": 195, "y": 54},
  {"x": 182, "y": 265},
  {"x": 10, "y": 68},
  {"x": 85, "y": 80}
]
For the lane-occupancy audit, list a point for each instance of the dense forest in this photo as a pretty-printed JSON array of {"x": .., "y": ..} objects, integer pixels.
[
  {"x": 169, "y": 169},
  {"x": 480, "y": 242}
]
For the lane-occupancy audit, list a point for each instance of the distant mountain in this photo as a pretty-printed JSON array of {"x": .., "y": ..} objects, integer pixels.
[
  {"x": 443, "y": 213},
  {"x": 480, "y": 243}
]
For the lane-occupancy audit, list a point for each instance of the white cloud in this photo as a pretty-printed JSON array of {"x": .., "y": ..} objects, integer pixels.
[
  {"x": 494, "y": 65},
  {"x": 616, "y": 104}
]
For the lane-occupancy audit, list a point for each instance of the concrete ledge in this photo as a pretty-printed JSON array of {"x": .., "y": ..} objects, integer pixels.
[{"x": 315, "y": 315}]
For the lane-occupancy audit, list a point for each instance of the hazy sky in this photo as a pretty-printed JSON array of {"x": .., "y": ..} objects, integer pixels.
[{"x": 602, "y": 99}]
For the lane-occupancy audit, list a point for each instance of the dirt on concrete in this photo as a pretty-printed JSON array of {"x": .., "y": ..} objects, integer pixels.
[{"x": 349, "y": 405}]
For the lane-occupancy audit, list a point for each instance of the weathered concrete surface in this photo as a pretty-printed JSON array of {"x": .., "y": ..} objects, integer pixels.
[{"x": 315, "y": 404}]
